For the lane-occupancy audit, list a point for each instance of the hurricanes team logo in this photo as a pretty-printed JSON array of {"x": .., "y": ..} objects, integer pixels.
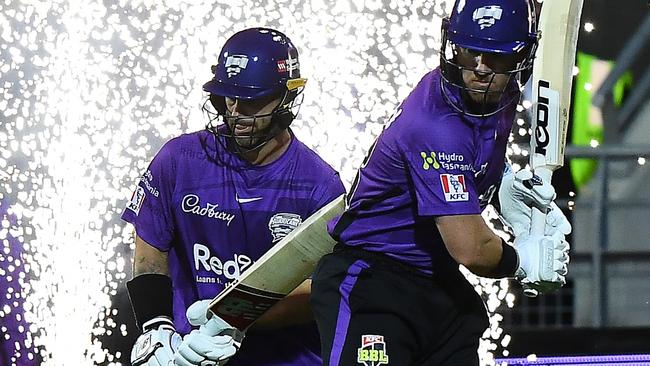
[
  {"x": 372, "y": 351},
  {"x": 235, "y": 64},
  {"x": 282, "y": 224},
  {"x": 454, "y": 188},
  {"x": 486, "y": 16}
]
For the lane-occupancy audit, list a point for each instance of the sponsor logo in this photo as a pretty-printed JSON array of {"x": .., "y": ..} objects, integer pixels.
[
  {"x": 372, "y": 351},
  {"x": 288, "y": 65},
  {"x": 235, "y": 64},
  {"x": 191, "y": 203},
  {"x": 445, "y": 160},
  {"x": 454, "y": 187},
  {"x": 547, "y": 113},
  {"x": 486, "y": 16},
  {"x": 282, "y": 224},
  {"x": 137, "y": 198},
  {"x": 147, "y": 179},
  {"x": 230, "y": 269},
  {"x": 429, "y": 160},
  {"x": 246, "y": 200}
]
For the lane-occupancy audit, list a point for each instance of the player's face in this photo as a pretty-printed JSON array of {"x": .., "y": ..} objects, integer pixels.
[
  {"x": 486, "y": 72},
  {"x": 249, "y": 118}
]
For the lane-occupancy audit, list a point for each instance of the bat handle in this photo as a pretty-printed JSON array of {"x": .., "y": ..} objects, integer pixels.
[{"x": 537, "y": 225}]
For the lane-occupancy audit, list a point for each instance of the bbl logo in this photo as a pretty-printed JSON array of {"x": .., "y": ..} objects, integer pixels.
[{"x": 372, "y": 351}]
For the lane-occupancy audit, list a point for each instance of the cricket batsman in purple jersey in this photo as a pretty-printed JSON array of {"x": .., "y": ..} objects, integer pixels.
[
  {"x": 212, "y": 202},
  {"x": 391, "y": 293}
]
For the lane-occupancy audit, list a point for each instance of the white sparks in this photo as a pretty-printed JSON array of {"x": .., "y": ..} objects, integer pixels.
[{"x": 91, "y": 92}]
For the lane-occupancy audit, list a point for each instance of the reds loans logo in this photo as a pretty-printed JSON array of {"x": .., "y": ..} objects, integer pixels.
[
  {"x": 486, "y": 16},
  {"x": 282, "y": 224},
  {"x": 372, "y": 351},
  {"x": 454, "y": 187}
]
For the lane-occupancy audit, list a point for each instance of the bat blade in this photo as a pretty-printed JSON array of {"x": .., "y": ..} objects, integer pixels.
[
  {"x": 279, "y": 271},
  {"x": 552, "y": 79}
]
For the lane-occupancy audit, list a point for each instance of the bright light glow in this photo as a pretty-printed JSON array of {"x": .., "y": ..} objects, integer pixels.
[
  {"x": 90, "y": 93},
  {"x": 576, "y": 70},
  {"x": 641, "y": 160},
  {"x": 594, "y": 143},
  {"x": 589, "y": 26}
]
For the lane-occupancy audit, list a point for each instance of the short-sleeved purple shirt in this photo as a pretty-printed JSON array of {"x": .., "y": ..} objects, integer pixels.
[
  {"x": 216, "y": 214},
  {"x": 429, "y": 161}
]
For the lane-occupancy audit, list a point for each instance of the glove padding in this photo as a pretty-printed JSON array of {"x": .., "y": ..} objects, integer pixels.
[
  {"x": 543, "y": 261},
  {"x": 522, "y": 191},
  {"x": 157, "y": 344},
  {"x": 213, "y": 344}
]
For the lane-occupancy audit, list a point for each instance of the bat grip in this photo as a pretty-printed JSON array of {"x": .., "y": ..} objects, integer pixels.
[{"x": 537, "y": 224}]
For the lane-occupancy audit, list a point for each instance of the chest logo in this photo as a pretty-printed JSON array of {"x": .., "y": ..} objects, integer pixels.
[
  {"x": 192, "y": 204},
  {"x": 246, "y": 200},
  {"x": 283, "y": 223},
  {"x": 454, "y": 187}
]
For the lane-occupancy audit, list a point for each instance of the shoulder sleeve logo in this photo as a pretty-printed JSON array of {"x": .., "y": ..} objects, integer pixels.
[
  {"x": 136, "y": 200},
  {"x": 454, "y": 187}
]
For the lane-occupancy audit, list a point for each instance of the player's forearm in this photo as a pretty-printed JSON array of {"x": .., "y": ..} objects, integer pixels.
[
  {"x": 471, "y": 243},
  {"x": 486, "y": 257},
  {"x": 294, "y": 309}
]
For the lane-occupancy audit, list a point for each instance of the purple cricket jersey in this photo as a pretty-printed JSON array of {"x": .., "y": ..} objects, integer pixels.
[
  {"x": 429, "y": 161},
  {"x": 216, "y": 214}
]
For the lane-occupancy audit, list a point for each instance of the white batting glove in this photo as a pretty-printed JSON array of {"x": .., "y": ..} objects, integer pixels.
[
  {"x": 543, "y": 261},
  {"x": 213, "y": 344},
  {"x": 522, "y": 191},
  {"x": 156, "y": 346}
]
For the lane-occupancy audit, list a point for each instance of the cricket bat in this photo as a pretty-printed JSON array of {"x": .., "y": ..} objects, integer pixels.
[
  {"x": 552, "y": 78},
  {"x": 279, "y": 271}
]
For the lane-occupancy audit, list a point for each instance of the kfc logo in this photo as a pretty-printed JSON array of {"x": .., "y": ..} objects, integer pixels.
[{"x": 454, "y": 187}]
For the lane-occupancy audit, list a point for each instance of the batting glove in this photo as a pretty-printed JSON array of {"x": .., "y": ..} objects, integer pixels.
[
  {"x": 522, "y": 191},
  {"x": 157, "y": 344},
  {"x": 543, "y": 261},
  {"x": 213, "y": 344}
]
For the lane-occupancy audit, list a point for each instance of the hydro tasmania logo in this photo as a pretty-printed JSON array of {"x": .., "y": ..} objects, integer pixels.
[
  {"x": 486, "y": 16},
  {"x": 372, "y": 351},
  {"x": 454, "y": 187}
]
